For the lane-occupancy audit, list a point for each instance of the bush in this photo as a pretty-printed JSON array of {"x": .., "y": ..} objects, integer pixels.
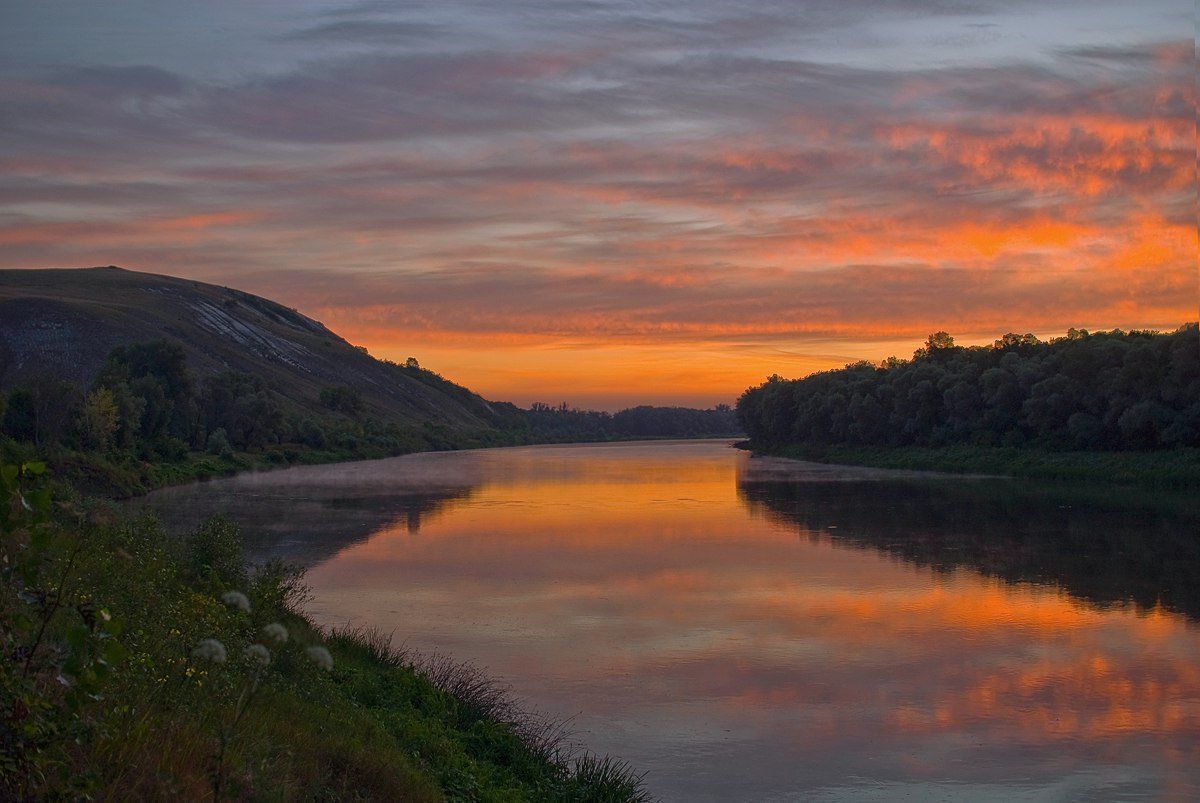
[
  {"x": 342, "y": 399},
  {"x": 311, "y": 434},
  {"x": 218, "y": 443},
  {"x": 214, "y": 550}
]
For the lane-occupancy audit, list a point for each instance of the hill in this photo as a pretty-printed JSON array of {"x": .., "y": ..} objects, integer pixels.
[
  {"x": 124, "y": 381},
  {"x": 64, "y": 323}
]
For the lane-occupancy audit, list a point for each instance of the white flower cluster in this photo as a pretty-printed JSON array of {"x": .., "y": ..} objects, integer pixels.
[
  {"x": 321, "y": 657},
  {"x": 258, "y": 653},
  {"x": 210, "y": 650},
  {"x": 275, "y": 633},
  {"x": 236, "y": 599}
]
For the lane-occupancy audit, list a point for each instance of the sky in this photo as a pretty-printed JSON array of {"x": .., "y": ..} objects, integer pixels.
[{"x": 613, "y": 203}]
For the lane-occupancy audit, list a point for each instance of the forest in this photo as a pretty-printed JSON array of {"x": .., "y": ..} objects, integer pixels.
[
  {"x": 1087, "y": 391},
  {"x": 564, "y": 423},
  {"x": 147, "y": 419}
]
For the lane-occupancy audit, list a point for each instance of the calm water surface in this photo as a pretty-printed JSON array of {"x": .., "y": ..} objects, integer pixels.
[{"x": 746, "y": 628}]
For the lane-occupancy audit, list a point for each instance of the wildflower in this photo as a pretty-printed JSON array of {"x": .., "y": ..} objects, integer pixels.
[
  {"x": 276, "y": 633},
  {"x": 210, "y": 650},
  {"x": 321, "y": 657},
  {"x": 259, "y": 653},
  {"x": 236, "y": 599}
]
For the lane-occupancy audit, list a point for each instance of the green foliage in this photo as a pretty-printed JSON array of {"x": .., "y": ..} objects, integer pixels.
[
  {"x": 20, "y": 418},
  {"x": 239, "y": 405},
  {"x": 214, "y": 552},
  {"x": 42, "y": 412},
  {"x": 1088, "y": 391},
  {"x": 138, "y": 675},
  {"x": 156, "y": 374},
  {"x": 98, "y": 419},
  {"x": 311, "y": 434},
  {"x": 546, "y": 424},
  {"x": 342, "y": 399},
  {"x": 60, "y": 644},
  {"x": 218, "y": 443},
  {"x": 147, "y": 422}
]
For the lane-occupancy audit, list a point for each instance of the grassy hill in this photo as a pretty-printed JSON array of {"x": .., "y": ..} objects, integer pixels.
[
  {"x": 65, "y": 322},
  {"x": 124, "y": 381}
]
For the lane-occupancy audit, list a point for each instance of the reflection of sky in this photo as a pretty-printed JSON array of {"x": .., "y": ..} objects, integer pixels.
[
  {"x": 734, "y": 657},
  {"x": 620, "y": 201}
]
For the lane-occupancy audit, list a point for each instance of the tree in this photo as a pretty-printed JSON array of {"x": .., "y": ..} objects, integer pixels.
[
  {"x": 218, "y": 443},
  {"x": 244, "y": 409},
  {"x": 20, "y": 416},
  {"x": 157, "y": 373},
  {"x": 98, "y": 419},
  {"x": 936, "y": 345},
  {"x": 342, "y": 399},
  {"x": 40, "y": 413}
]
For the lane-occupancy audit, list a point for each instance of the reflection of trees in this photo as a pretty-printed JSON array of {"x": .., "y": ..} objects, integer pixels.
[
  {"x": 1103, "y": 552},
  {"x": 305, "y": 524}
]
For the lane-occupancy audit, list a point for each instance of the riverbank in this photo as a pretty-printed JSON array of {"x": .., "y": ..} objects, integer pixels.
[
  {"x": 152, "y": 667},
  {"x": 1165, "y": 469},
  {"x": 123, "y": 476}
]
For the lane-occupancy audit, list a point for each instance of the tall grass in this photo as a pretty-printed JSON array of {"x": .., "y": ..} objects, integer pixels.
[
  {"x": 539, "y": 746},
  {"x": 110, "y": 700}
]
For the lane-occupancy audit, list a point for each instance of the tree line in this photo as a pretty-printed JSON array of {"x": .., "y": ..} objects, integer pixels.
[
  {"x": 564, "y": 423},
  {"x": 1086, "y": 391},
  {"x": 146, "y": 405}
]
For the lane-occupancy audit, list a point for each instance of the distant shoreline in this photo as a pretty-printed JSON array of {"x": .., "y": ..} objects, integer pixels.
[{"x": 202, "y": 467}]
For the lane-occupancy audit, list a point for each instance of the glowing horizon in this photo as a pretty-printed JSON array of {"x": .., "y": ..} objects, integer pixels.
[{"x": 613, "y": 205}]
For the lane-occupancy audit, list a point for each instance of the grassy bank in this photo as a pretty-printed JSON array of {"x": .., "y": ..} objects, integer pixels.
[
  {"x": 136, "y": 673},
  {"x": 1164, "y": 469},
  {"x": 122, "y": 475}
]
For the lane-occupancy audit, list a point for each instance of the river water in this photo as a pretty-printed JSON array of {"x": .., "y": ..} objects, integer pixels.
[{"x": 760, "y": 629}]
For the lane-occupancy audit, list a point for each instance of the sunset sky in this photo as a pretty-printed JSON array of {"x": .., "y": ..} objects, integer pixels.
[{"x": 617, "y": 203}]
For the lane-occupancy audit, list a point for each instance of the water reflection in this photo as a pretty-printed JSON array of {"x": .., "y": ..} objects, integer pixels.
[
  {"x": 307, "y": 515},
  {"x": 659, "y": 592},
  {"x": 1104, "y": 547}
]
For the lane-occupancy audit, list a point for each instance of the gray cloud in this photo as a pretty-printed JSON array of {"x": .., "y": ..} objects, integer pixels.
[
  {"x": 372, "y": 32},
  {"x": 579, "y": 169}
]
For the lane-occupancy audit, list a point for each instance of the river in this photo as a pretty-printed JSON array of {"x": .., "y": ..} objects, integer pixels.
[{"x": 760, "y": 629}]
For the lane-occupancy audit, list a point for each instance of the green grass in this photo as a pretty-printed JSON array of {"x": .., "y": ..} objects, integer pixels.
[
  {"x": 122, "y": 475},
  {"x": 1166, "y": 469},
  {"x": 106, "y": 699}
]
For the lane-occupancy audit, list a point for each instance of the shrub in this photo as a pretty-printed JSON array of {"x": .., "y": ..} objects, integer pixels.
[
  {"x": 214, "y": 551},
  {"x": 218, "y": 443}
]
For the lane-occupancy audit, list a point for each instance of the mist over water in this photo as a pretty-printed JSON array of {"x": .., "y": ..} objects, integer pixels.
[{"x": 748, "y": 628}]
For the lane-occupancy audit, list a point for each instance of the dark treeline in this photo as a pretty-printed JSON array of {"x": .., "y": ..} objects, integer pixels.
[
  {"x": 1105, "y": 548},
  {"x": 145, "y": 403},
  {"x": 147, "y": 408},
  {"x": 1086, "y": 391},
  {"x": 564, "y": 423}
]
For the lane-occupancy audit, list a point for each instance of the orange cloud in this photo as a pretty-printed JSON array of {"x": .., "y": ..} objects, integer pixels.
[{"x": 978, "y": 200}]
